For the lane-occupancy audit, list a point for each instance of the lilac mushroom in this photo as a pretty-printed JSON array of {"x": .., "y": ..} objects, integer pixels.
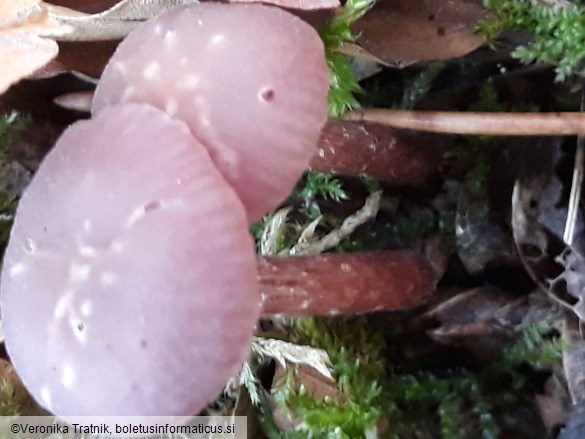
[
  {"x": 249, "y": 80},
  {"x": 129, "y": 285}
]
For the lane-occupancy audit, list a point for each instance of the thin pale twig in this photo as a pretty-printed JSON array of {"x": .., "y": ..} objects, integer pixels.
[
  {"x": 478, "y": 123},
  {"x": 575, "y": 196}
]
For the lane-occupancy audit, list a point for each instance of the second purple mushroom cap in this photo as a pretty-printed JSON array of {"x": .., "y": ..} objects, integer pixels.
[{"x": 250, "y": 81}]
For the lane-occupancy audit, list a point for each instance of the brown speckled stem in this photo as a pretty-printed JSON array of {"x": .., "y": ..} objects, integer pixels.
[
  {"x": 487, "y": 124},
  {"x": 349, "y": 283},
  {"x": 366, "y": 148}
]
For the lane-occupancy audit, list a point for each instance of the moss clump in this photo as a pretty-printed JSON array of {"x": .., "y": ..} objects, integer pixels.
[
  {"x": 557, "y": 27},
  {"x": 355, "y": 351},
  {"x": 11, "y": 125},
  {"x": 461, "y": 404},
  {"x": 8, "y": 404},
  {"x": 342, "y": 83},
  {"x": 374, "y": 402}
]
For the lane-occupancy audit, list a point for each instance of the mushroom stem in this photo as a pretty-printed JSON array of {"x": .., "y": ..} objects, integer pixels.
[
  {"x": 366, "y": 148},
  {"x": 486, "y": 124},
  {"x": 349, "y": 283}
]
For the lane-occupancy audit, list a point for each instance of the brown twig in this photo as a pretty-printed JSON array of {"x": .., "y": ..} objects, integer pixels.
[
  {"x": 349, "y": 283},
  {"x": 472, "y": 123},
  {"x": 366, "y": 148}
]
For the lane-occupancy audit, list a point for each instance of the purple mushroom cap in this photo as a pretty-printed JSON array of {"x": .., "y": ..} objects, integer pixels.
[
  {"x": 129, "y": 284},
  {"x": 249, "y": 80}
]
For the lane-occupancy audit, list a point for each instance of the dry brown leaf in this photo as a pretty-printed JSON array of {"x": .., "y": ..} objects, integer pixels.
[
  {"x": 313, "y": 383},
  {"x": 402, "y": 32},
  {"x": 19, "y": 12},
  {"x": 306, "y": 5},
  {"x": 483, "y": 320},
  {"x": 22, "y": 51},
  {"x": 87, "y": 6},
  {"x": 114, "y": 23},
  {"x": 554, "y": 404},
  {"x": 573, "y": 360},
  {"x": 23, "y": 23}
]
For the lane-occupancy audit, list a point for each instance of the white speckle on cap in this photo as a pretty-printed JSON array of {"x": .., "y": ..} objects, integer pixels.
[
  {"x": 117, "y": 246},
  {"x": 87, "y": 250},
  {"x": 46, "y": 396},
  {"x": 87, "y": 225},
  {"x": 171, "y": 107},
  {"x": 107, "y": 279},
  {"x": 136, "y": 215},
  {"x": 334, "y": 312},
  {"x": 203, "y": 106},
  {"x": 216, "y": 39},
  {"x": 120, "y": 67},
  {"x": 305, "y": 304},
  {"x": 191, "y": 82},
  {"x": 321, "y": 152},
  {"x": 86, "y": 308},
  {"x": 68, "y": 376},
  {"x": 204, "y": 120},
  {"x": 128, "y": 93},
  {"x": 17, "y": 269},
  {"x": 152, "y": 71},
  {"x": 170, "y": 37},
  {"x": 79, "y": 272},
  {"x": 78, "y": 330},
  {"x": 63, "y": 304},
  {"x": 30, "y": 246}
]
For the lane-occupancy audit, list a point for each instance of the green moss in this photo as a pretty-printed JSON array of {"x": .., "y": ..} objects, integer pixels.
[
  {"x": 342, "y": 83},
  {"x": 458, "y": 404},
  {"x": 319, "y": 185},
  {"x": 558, "y": 29},
  {"x": 8, "y": 405},
  {"x": 461, "y": 404},
  {"x": 7, "y": 209},
  {"x": 419, "y": 86},
  {"x": 11, "y": 125},
  {"x": 355, "y": 351}
]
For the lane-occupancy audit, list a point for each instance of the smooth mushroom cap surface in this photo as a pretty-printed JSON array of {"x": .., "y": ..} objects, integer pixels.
[
  {"x": 129, "y": 284},
  {"x": 249, "y": 80}
]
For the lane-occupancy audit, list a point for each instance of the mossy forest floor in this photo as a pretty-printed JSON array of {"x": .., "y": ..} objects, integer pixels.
[{"x": 498, "y": 351}]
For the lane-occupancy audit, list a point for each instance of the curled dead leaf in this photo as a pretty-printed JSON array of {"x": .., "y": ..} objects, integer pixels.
[
  {"x": 402, "y": 32},
  {"x": 21, "y": 53}
]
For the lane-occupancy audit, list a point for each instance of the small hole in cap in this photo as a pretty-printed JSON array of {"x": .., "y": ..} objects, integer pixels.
[
  {"x": 267, "y": 95},
  {"x": 153, "y": 205}
]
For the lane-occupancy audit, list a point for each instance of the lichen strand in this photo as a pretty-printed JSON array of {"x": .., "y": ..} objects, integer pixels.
[{"x": 349, "y": 283}]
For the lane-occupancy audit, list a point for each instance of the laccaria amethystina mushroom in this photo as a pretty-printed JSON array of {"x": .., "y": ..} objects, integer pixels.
[
  {"x": 250, "y": 81},
  {"x": 129, "y": 285}
]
